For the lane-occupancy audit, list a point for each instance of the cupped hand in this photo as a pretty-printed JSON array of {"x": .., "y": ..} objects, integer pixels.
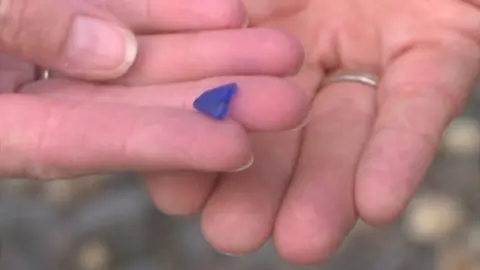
[
  {"x": 141, "y": 119},
  {"x": 364, "y": 150}
]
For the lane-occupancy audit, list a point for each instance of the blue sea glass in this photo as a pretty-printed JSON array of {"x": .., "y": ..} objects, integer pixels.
[{"x": 215, "y": 102}]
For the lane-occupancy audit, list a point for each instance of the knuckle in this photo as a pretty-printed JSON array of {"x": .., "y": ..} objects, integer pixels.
[
  {"x": 31, "y": 27},
  {"x": 39, "y": 167},
  {"x": 29, "y": 144},
  {"x": 12, "y": 20},
  {"x": 289, "y": 50},
  {"x": 46, "y": 161}
]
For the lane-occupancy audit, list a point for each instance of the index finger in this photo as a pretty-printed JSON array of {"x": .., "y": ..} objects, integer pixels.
[
  {"x": 51, "y": 138},
  {"x": 176, "y": 15}
]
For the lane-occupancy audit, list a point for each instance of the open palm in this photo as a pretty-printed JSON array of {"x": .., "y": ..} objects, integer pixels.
[{"x": 364, "y": 150}]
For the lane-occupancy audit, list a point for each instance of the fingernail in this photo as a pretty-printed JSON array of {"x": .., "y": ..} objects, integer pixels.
[
  {"x": 99, "y": 49},
  {"x": 246, "y": 166},
  {"x": 305, "y": 123}
]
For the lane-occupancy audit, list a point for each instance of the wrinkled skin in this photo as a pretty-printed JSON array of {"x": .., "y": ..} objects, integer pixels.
[{"x": 364, "y": 151}]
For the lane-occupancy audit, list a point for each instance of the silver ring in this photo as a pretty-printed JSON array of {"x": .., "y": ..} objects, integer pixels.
[
  {"x": 352, "y": 76},
  {"x": 41, "y": 73}
]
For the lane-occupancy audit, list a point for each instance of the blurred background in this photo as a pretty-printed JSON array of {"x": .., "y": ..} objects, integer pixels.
[{"x": 109, "y": 223}]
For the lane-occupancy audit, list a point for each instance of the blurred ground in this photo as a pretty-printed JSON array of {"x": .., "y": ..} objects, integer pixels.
[{"x": 108, "y": 223}]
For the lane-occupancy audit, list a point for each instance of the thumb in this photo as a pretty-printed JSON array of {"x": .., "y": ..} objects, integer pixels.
[{"x": 73, "y": 38}]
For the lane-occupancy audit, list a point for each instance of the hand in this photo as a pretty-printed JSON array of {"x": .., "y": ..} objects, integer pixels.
[
  {"x": 365, "y": 151},
  {"x": 142, "y": 121}
]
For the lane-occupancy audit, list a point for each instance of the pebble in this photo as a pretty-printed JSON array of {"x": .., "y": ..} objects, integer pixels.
[
  {"x": 433, "y": 217},
  {"x": 462, "y": 137},
  {"x": 94, "y": 255},
  {"x": 62, "y": 192},
  {"x": 456, "y": 257},
  {"x": 473, "y": 240}
]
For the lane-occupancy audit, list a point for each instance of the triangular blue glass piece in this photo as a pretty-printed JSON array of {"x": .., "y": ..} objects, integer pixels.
[{"x": 215, "y": 102}]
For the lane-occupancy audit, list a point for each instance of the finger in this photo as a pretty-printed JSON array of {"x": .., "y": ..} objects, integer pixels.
[
  {"x": 76, "y": 39},
  {"x": 239, "y": 215},
  {"x": 420, "y": 93},
  {"x": 180, "y": 193},
  {"x": 146, "y": 16},
  {"x": 193, "y": 56},
  {"x": 262, "y": 104},
  {"x": 318, "y": 210},
  {"x": 46, "y": 138}
]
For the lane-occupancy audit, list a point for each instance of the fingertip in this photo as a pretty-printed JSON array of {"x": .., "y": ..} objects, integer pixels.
[
  {"x": 377, "y": 206},
  {"x": 286, "y": 49},
  {"x": 377, "y": 211},
  {"x": 179, "y": 193},
  {"x": 271, "y": 104},
  {"x": 234, "y": 228},
  {"x": 294, "y": 108},
  {"x": 305, "y": 242},
  {"x": 377, "y": 203}
]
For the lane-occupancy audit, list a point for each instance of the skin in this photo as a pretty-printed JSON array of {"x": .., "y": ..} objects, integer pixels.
[
  {"x": 364, "y": 151},
  {"x": 142, "y": 121},
  {"x": 361, "y": 155}
]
